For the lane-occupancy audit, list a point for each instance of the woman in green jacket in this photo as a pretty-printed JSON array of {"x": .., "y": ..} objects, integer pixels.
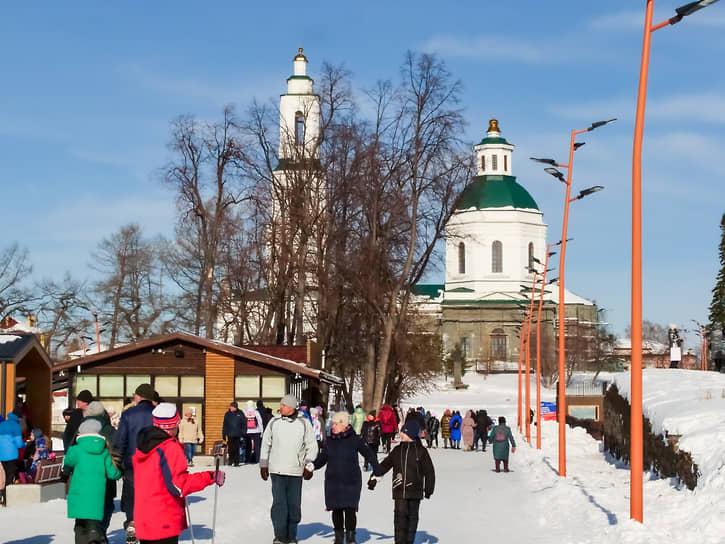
[
  {"x": 91, "y": 465},
  {"x": 500, "y": 437}
]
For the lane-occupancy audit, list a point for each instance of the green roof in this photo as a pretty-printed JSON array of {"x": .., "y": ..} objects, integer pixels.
[
  {"x": 493, "y": 140},
  {"x": 491, "y": 191},
  {"x": 429, "y": 290},
  {"x": 460, "y": 290}
]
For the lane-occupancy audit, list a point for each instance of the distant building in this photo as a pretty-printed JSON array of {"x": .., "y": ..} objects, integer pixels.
[{"x": 492, "y": 238}]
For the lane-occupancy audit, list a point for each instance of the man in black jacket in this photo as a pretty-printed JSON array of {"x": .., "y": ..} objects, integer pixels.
[
  {"x": 83, "y": 399},
  {"x": 234, "y": 427},
  {"x": 132, "y": 421}
]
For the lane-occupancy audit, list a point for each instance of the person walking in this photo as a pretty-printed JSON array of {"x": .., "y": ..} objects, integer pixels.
[
  {"x": 233, "y": 428},
  {"x": 133, "y": 419},
  {"x": 190, "y": 434},
  {"x": 370, "y": 434},
  {"x": 455, "y": 425},
  {"x": 483, "y": 426},
  {"x": 413, "y": 479},
  {"x": 287, "y": 454},
  {"x": 163, "y": 480},
  {"x": 468, "y": 429},
  {"x": 96, "y": 411},
  {"x": 83, "y": 399},
  {"x": 253, "y": 437},
  {"x": 91, "y": 465},
  {"x": 501, "y": 437},
  {"x": 358, "y": 418},
  {"x": 343, "y": 479},
  {"x": 431, "y": 435},
  {"x": 11, "y": 440},
  {"x": 446, "y": 429},
  {"x": 388, "y": 426}
]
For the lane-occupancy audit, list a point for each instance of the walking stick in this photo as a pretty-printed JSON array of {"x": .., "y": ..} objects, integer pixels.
[
  {"x": 216, "y": 491},
  {"x": 188, "y": 516}
]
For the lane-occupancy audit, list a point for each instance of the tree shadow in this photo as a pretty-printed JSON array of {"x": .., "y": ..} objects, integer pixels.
[{"x": 37, "y": 539}]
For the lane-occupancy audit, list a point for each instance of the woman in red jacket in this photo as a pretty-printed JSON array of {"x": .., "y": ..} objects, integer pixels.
[{"x": 162, "y": 479}]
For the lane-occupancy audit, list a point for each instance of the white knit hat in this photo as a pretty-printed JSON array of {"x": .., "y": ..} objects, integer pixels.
[{"x": 89, "y": 426}]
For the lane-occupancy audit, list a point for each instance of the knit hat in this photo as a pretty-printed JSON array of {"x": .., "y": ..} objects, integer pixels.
[
  {"x": 165, "y": 416},
  {"x": 145, "y": 391},
  {"x": 250, "y": 405},
  {"x": 90, "y": 426},
  {"x": 95, "y": 408},
  {"x": 411, "y": 428},
  {"x": 289, "y": 400},
  {"x": 85, "y": 396}
]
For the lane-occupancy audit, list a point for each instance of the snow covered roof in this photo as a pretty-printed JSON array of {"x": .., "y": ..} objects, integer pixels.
[{"x": 650, "y": 345}]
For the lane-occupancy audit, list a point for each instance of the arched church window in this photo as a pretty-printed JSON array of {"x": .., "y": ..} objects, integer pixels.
[
  {"x": 299, "y": 128},
  {"x": 498, "y": 345},
  {"x": 461, "y": 258},
  {"x": 497, "y": 257},
  {"x": 531, "y": 255},
  {"x": 494, "y": 162}
]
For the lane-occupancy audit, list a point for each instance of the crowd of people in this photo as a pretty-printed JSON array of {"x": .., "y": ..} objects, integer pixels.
[{"x": 150, "y": 448}]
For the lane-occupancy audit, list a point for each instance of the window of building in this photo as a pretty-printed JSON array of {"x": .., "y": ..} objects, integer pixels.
[
  {"x": 461, "y": 258},
  {"x": 299, "y": 128},
  {"x": 483, "y": 163},
  {"x": 466, "y": 347},
  {"x": 273, "y": 386},
  {"x": 498, "y": 345},
  {"x": 110, "y": 386},
  {"x": 166, "y": 386},
  {"x": 85, "y": 381},
  {"x": 132, "y": 382},
  {"x": 246, "y": 387},
  {"x": 505, "y": 162},
  {"x": 192, "y": 386},
  {"x": 531, "y": 255},
  {"x": 497, "y": 257},
  {"x": 494, "y": 162}
]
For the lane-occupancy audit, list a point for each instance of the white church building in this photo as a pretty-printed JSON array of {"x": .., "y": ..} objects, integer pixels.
[{"x": 492, "y": 238}]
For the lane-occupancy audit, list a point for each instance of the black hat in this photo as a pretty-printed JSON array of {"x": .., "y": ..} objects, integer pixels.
[
  {"x": 145, "y": 391},
  {"x": 411, "y": 428},
  {"x": 85, "y": 396}
]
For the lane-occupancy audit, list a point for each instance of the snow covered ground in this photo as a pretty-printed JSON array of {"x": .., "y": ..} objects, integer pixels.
[{"x": 474, "y": 504}]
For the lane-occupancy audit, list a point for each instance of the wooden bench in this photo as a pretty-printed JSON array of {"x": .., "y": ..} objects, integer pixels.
[{"x": 47, "y": 487}]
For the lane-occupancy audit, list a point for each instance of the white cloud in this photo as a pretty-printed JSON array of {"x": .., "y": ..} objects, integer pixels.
[
  {"x": 626, "y": 20},
  {"x": 489, "y": 47}
]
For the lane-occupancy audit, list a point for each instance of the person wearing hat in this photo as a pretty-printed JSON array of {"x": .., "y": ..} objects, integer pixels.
[
  {"x": 96, "y": 411},
  {"x": 287, "y": 454},
  {"x": 91, "y": 465},
  {"x": 163, "y": 480},
  {"x": 132, "y": 421},
  {"x": 233, "y": 428},
  {"x": 413, "y": 479},
  {"x": 75, "y": 416}
]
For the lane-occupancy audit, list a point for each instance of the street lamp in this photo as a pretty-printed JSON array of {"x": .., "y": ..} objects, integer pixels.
[
  {"x": 636, "y": 452},
  {"x": 561, "y": 404}
]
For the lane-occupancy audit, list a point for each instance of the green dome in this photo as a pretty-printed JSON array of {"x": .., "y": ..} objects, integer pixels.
[{"x": 495, "y": 192}]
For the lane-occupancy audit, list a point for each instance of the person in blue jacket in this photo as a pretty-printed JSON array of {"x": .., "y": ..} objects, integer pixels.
[
  {"x": 343, "y": 480},
  {"x": 11, "y": 440},
  {"x": 455, "y": 425}
]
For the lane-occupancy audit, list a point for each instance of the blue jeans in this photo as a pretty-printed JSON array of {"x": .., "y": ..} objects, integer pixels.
[
  {"x": 286, "y": 505},
  {"x": 189, "y": 449}
]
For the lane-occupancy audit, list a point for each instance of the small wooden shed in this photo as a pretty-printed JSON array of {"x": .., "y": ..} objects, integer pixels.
[
  {"x": 196, "y": 373},
  {"x": 25, "y": 371}
]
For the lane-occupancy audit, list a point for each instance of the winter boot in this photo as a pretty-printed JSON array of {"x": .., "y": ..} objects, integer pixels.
[
  {"x": 339, "y": 536},
  {"x": 131, "y": 533},
  {"x": 350, "y": 537}
]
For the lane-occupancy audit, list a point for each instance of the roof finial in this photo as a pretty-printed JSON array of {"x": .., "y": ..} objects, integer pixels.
[
  {"x": 300, "y": 56},
  {"x": 493, "y": 125}
]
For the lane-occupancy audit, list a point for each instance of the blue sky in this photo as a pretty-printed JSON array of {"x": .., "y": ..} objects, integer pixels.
[{"x": 88, "y": 90}]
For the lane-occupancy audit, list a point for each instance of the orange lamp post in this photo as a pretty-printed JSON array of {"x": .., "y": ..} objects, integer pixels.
[
  {"x": 636, "y": 444},
  {"x": 545, "y": 264},
  {"x": 561, "y": 400}
]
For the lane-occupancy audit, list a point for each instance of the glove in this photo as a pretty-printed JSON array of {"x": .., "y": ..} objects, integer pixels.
[
  {"x": 220, "y": 477},
  {"x": 372, "y": 482},
  {"x": 427, "y": 495},
  {"x": 308, "y": 471},
  {"x": 513, "y": 450},
  {"x": 264, "y": 472}
]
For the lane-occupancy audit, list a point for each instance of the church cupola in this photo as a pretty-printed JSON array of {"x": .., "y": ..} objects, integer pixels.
[
  {"x": 299, "y": 82},
  {"x": 493, "y": 153}
]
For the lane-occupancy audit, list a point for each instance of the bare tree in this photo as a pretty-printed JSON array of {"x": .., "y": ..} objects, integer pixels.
[
  {"x": 206, "y": 175},
  {"x": 15, "y": 270},
  {"x": 61, "y": 314}
]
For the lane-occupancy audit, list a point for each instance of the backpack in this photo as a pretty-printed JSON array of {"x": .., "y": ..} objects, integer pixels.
[
  {"x": 500, "y": 435},
  {"x": 251, "y": 420},
  {"x": 455, "y": 424}
]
